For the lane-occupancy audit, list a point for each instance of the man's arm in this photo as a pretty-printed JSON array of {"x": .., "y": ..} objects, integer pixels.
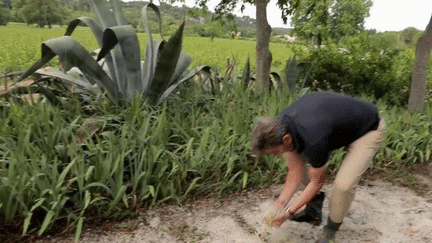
[
  {"x": 317, "y": 179},
  {"x": 294, "y": 177}
]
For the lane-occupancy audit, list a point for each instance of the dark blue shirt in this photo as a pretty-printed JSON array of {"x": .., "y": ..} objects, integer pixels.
[{"x": 323, "y": 121}]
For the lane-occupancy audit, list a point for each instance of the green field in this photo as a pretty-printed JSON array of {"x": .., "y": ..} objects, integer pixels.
[{"x": 20, "y": 46}]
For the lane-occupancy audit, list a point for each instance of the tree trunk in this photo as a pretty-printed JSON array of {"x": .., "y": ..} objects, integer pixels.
[
  {"x": 263, "y": 55},
  {"x": 419, "y": 76}
]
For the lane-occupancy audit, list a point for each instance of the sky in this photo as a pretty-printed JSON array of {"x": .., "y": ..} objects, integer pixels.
[{"x": 385, "y": 15}]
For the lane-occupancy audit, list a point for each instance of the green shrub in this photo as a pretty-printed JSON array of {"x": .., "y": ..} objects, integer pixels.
[{"x": 357, "y": 69}]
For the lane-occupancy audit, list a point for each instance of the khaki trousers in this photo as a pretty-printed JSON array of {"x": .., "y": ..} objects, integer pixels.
[{"x": 358, "y": 158}]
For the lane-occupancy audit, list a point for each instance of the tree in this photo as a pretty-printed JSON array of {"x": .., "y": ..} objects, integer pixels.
[
  {"x": 419, "y": 76},
  {"x": 263, "y": 31},
  {"x": 348, "y": 17},
  {"x": 311, "y": 19},
  {"x": 41, "y": 12},
  {"x": 264, "y": 57},
  {"x": 320, "y": 19},
  {"x": 407, "y": 35},
  {"x": 4, "y": 13}
]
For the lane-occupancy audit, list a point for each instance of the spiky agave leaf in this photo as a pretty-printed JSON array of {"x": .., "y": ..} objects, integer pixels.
[
  {"x": 127, "y": 39},
  {"x": 98, "y": 34},
  {"x": 73, "y": 77},
  {"x": 76, "y": 55},
  {"x": 167, "y": 92},
  {"x": 152, "y": 48},
  {"x": 166, "y": 64},
  {"x": 246, "y": 76},
  {"x": 292, "y": 71}
]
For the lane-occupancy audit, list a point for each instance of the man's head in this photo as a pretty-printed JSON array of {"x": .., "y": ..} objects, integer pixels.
[{"x": 270, "y": 135}]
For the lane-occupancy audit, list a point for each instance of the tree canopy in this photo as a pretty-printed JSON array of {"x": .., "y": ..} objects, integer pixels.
[
  {"x": 40, "y": 12},
  {"x": 320, "y": 19}
]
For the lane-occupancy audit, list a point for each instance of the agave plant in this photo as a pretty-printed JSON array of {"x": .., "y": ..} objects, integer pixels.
[
  {"x": 293, "y": 70},
  {"x": 116, "y": 68}
]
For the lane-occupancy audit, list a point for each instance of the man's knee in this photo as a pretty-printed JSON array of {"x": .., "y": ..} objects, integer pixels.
[{"x": 344, "y": 187}]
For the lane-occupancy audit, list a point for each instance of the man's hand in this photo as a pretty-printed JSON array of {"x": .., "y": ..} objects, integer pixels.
[
  {"x": 280, "y": 215},
  {"x": 282, "y": 218}
]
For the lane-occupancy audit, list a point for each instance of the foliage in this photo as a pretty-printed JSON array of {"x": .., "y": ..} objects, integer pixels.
[
  {"x": 40, "y": 12},
  {"x": 318, "y": 20},
  {"x": 311, "y": 20},
  {"x": 293, "y": 70},
  {"x": 348, "y": 17},
  {"x": 4, "y": 14},
  {"x": 407, "y": 36},
  {"x": 138, "y": 155},
  {"x": 384, "y": 41},
  {"x": 361, "y": 68},
  {"x": 120, "y": 72}
]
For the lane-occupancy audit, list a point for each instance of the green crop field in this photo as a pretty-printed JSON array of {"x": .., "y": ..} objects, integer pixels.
[{"x": 20, "y": 46}]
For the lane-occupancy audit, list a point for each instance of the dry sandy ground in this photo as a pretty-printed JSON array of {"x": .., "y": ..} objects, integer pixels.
[{"x": 380, "y": 213}]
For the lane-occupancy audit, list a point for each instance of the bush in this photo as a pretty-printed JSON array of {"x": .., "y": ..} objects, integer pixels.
[
  {"x": 4, "y": 15},
  {"x": 359, "y": 68}
]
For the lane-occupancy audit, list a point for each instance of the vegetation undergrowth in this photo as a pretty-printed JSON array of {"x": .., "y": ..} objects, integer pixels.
[{"x": 138, "y": 155}]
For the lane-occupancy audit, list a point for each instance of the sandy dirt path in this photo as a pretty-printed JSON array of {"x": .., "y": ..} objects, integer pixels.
[{"x": 380, "y": 212}]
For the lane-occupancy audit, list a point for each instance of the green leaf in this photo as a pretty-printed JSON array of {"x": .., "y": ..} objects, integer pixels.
[
  {"x": 103, "y": 13},
  {"x": 292, "y": 71},
  {"x": 118, "y": 13},
  {"x": 46, "y": 57},
  {"x": 63, "y": 174},
  {"x": 98, "y": 184},
  {"x": 87, "y": 198},
  {"x": 27, "y": 222},
  {"x": 277, "y": 78},
  {"x": 245, "y": 178},
  {"x": 246, "y": 76},
  {"x": 46, "y": 222},
  {"x": 127, "y": 39},
  {"x": 166, "y": 65},
  {"x": 307, "y": 74},
  {"x": 145, "y": 19},
  {"x": 89, "y": 172},
  {"x": 183, "y": 63},
  {"x": 98, "y": 33},
  {"x": 118, "y": 196},
  {"x": 174, "y": 86},
  {"x": 192, "y": 185},
  {"x": 152, "y": 48},
  {"x": 148, "y": 67},
  {"x": 79, "y": 229},
  {"x": 38, "y": 203},
  {"x": 91, "y": 23},
  {"x": 77, "y": 56}
]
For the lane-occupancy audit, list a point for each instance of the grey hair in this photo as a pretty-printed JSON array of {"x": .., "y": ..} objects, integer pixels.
[{"x": 268, "y": 132}]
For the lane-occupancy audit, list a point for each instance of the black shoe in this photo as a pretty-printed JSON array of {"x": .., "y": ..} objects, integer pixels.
[
  {"x": 329, "y": 232},
  {"x": 313, "y": 211}
]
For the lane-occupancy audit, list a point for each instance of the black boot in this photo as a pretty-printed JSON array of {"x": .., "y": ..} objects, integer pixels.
[
  {"x": 312, "y": 212},
  {"x": 329, "y": 233}
]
